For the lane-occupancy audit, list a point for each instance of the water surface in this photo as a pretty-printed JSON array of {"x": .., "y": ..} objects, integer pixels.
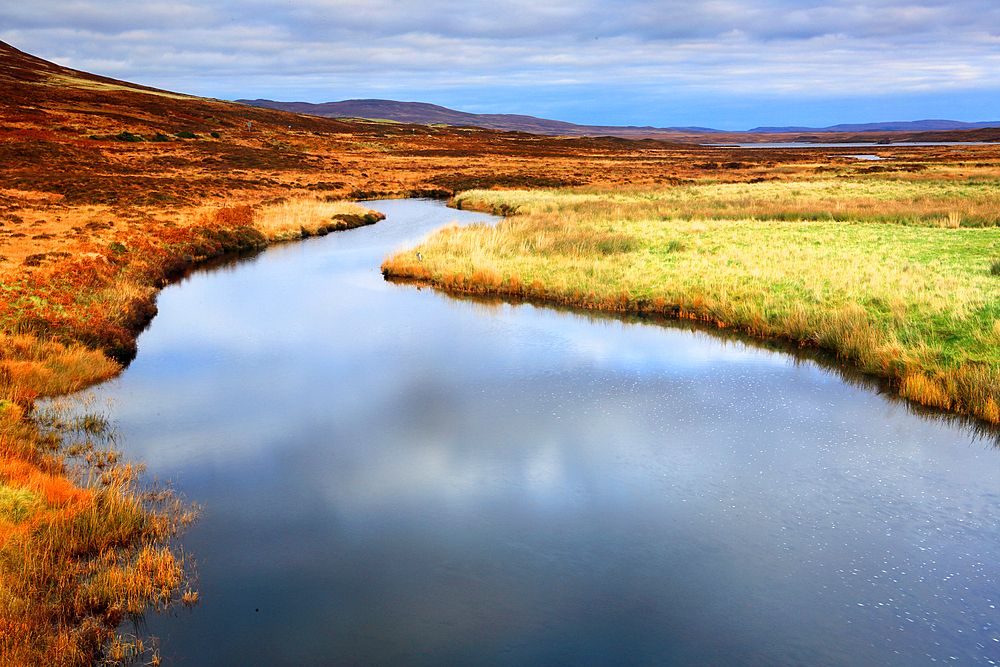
[{"x": 394, "y": 477}]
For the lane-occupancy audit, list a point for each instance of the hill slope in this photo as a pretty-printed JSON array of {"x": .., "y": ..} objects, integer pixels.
[{"x": 432, "y": 114}]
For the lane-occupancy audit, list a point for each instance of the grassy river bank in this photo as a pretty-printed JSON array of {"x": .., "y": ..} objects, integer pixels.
[
  {"x": 85, "y": 543},
  {"x": 898, "y": 276}
]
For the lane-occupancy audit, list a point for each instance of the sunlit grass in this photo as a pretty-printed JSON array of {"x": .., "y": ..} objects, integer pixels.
[
  {"x": 913, "y": 303},
  {"x": 295, "y": 218},
  {"x": 928, "y": 202},
  {"x": 55, "y": 79},
  {"x": 32, "y": 367}
]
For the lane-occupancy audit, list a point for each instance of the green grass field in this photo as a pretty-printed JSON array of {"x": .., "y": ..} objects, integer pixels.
[{"x": 895, "y": 276}]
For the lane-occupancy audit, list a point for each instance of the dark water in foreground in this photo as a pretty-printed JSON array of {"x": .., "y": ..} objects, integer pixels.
[{"x": 393, "y": 477}]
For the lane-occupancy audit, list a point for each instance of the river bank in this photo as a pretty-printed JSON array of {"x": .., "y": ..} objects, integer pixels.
[
  {"x": 85, "y": 544},
  {"x": 898, "y": 277},
  {"x": 519, "y": 484}
]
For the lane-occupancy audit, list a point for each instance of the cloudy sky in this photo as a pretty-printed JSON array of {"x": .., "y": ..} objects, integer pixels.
[{"x": 728, "y": 64}]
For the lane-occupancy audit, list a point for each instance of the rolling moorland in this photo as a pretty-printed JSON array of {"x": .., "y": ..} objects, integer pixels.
[{"x": 110, "y": 189}]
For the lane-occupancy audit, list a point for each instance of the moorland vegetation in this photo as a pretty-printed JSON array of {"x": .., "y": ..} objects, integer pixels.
[{"x": 108, "y": 190}]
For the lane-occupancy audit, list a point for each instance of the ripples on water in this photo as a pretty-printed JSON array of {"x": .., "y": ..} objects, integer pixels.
[{"x": 394, "y": 477}]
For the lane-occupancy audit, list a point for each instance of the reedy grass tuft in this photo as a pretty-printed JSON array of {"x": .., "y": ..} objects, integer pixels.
[
  {"x": 909, "y": 303},
  {"x": 83, "y": 545},
  {"x": 31, "y": 367},
  {"x": 295, "y": 218}
]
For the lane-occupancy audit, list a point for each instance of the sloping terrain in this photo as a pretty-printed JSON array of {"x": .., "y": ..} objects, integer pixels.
[
  {"x": 85, "y": 159},
  {"x": 432, "y": 114},
  {"x": 85, "y": 139},
  {"x": 79, "y": 153}
]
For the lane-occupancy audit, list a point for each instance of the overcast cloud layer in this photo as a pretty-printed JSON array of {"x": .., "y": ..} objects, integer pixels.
[{"x": 731, "y": 64}]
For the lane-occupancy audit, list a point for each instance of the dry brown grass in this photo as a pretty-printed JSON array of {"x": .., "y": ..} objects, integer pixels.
[
  {"x": 306, "y": 216},
  {"x": 34, "y": 367}
]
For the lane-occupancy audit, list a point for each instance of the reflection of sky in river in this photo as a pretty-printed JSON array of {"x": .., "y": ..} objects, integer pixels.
[{"x": 393, "y": 477}]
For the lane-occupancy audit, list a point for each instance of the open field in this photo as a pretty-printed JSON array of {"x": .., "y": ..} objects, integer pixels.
[
  {"x": 898, "y": 276},
  {"x": 108, "y": 190},
  {"x": 967, "y": 202}
]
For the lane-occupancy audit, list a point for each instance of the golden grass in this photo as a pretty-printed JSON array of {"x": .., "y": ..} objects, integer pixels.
[
  {"x": 306, "y": 216},
  {"x": 33, "y": 367},
  {"x": 107, "y": 87},
  {"x": 915, "y": 304},
  {"x": 83, "y": 545},
  {"x": 925, "y": 202}
]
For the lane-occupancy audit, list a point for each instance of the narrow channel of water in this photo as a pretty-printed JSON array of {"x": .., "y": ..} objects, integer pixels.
[{"x": 394, "y": 477}]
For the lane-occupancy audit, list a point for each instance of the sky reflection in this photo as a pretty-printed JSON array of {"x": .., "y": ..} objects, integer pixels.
[{"x": 391, "y": 476}]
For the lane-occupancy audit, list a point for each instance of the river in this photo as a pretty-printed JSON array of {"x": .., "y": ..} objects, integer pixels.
[{"x": 391, "y": 476}]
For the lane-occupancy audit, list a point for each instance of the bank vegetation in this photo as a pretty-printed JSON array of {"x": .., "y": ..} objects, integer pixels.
[
  {"x": 86, "y": 543},
  {"x": 899, "y": 277}
]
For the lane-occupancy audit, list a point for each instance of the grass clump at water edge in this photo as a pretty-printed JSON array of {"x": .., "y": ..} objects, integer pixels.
[
  {"x": 303, "y": 217},
  {"x": 84, "y": 545},
  {"x": 914, "y": 304}
]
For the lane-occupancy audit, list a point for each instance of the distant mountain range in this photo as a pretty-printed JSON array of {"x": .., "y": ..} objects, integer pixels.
[
  {"x": 898, "y": 126},
  {"x": 432, "y": 114}
]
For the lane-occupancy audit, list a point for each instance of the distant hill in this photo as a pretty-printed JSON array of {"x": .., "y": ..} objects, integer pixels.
[
  {"x": 897, "y": 126},
  {"x": 432, "y": 114}
]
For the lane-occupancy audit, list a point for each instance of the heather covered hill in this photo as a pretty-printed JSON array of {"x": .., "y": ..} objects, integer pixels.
[
  {"x": 899, "y": 126},
  {"x": 94, "y": 140},
  {"x": 432, "y": 114}
]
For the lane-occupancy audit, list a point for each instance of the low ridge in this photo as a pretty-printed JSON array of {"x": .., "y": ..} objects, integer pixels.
[{"x": 432, "y": 114}]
